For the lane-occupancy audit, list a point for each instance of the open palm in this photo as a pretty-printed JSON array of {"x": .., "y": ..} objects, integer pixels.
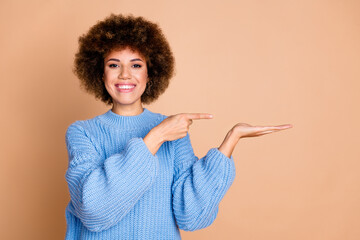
[{"x": 246, "y": 130}]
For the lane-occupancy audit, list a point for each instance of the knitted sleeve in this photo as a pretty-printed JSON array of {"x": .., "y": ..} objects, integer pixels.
[
  {"x": 103, "y": 191},
  {"x": 199, "y": 185}
]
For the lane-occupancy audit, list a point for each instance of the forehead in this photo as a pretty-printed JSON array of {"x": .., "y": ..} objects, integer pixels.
[{"x": 124, "y": 53}]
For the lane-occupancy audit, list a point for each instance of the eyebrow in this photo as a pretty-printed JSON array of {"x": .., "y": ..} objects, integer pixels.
[{"x": 117, "y": 60}]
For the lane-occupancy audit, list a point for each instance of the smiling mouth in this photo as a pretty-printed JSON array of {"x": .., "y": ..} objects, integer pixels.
[{"x": 125, "y": 86}]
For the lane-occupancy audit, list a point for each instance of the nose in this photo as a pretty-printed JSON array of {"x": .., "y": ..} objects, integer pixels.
[{"x": 124, "y": 73}]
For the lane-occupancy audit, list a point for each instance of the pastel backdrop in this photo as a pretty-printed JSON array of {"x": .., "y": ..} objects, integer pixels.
[{"x": 257, "y": 62}]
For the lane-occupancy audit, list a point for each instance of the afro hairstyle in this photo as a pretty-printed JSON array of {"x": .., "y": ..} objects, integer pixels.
[{"x": 118, "y": 32}]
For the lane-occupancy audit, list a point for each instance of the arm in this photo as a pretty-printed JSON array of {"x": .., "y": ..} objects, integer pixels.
[
  {"x": 199, "y": 185},
  {"x": 102, "y": 190}
]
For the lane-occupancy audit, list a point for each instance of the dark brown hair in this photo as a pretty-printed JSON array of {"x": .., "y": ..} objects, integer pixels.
[{"x": 117, "y": 32}]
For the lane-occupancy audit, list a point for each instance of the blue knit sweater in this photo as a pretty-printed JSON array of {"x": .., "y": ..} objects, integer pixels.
[{"x": 119, "y": 190}]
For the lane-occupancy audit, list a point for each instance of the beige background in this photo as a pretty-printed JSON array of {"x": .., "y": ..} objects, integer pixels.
[{"x": 258, "y": 62}]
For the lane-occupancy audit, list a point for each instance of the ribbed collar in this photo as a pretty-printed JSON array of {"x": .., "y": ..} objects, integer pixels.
[{"x": 143, "y": 120}]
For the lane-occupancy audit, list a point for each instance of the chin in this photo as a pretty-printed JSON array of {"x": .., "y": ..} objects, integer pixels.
[{"x": 127, "y": 102}]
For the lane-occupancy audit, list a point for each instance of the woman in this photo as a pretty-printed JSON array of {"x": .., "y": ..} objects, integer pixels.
[{"x": 132, "y": 173}]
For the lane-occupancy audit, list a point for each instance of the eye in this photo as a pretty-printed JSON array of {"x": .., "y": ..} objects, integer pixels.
[
  {"x": 113, "y": 65},
  {"x": 137, "y": 66}
]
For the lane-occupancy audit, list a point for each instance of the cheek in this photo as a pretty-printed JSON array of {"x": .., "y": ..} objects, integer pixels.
[
  {"x": 142, "y": 78},
  {"x": 107, "y": 83},
  {"x": 109, "y": 78},
  {"x": 108, "y": 75}
]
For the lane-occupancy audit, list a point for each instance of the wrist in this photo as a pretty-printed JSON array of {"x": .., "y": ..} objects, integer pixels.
[
  {"x": 235, "y": 134},
  {"x": 157, "y": 135},
  {"x": 153, "y": 141},
  {"x": 229, "y": 143}
]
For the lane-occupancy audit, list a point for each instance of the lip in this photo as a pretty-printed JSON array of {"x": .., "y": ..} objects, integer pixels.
[{"x": 117, "y": 86}]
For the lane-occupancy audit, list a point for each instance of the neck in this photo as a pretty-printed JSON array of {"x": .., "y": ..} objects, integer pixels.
[{"x": 128, "y": 110}]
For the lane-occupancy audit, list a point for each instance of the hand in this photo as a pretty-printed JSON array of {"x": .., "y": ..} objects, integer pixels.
[
  {"x": 242, "y": 130},
  {"x": 172, "y": 128},
  {"x": 177, "y": 126},
  {"x": 245, "y": 130}
]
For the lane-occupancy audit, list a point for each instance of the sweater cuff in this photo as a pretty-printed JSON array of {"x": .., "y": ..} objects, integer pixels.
[
  {"x": 215, "y": 152},
  {"x": 137, "y": 149},
  {"x": 139, "y": 145},
  {"x": 218, "y": 160}
]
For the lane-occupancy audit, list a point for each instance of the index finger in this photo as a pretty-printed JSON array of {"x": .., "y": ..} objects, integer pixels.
[{"x": 196, "y": 116}]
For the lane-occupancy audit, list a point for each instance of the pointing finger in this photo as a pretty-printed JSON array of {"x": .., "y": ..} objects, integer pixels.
[{"x": 196, "y": 116}]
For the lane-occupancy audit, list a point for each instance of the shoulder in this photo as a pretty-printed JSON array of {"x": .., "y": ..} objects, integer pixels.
[
  {"x": 82, "y": 126},
  {"x": 158, "y": 117},
  {"x": 161, "y": 116}
]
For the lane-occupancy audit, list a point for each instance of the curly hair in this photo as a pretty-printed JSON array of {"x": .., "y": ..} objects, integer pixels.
[{"x": 118, "y": 32}]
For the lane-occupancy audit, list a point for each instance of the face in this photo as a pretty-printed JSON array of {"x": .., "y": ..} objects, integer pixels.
[{"x": 125, "y": 77}]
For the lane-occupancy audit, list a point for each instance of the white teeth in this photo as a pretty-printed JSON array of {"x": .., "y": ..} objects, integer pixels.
[{"x": 126, "y": 86}]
